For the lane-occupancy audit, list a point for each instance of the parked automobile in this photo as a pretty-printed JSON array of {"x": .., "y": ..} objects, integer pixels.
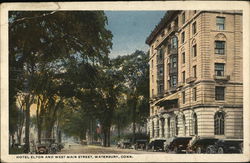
[
  {"x": 200, "y": 144},
  {"x": 156, "y": 145},
  {"x": 141, "y": 144},
  {"x": 177, "y": 144},
  {"x": 226, "y": 146},
  {"x": 126, "y": 145},
  {"x": 46, "y": 146}
]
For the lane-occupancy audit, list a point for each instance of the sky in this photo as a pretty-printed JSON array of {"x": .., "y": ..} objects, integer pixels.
[{"x": 130, "y": 29}]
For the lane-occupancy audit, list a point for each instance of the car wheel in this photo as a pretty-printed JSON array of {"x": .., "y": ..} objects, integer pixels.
[
  {"x": 210, "y": 150},
  {"x": 220, "y": 150},
  {"x": 198, "y": 150}
]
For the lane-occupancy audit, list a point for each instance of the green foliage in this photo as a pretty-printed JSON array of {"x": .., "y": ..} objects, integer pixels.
[{"x": 52, "y": 57}]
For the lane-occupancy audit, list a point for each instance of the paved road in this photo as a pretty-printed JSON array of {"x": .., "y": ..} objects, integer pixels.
[{"x": 90, "y": 149}]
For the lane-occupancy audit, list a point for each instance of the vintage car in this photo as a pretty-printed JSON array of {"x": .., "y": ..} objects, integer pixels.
[
  {"x": 141, "y": 144},
  {"x": 226, "y": 146},
  {"x": 200, "y": 144},
  {"x": 46, "y": 146},
  {"x": 177, "y": 144},
  {"x": 124, "y": 144},
  {"x": 156, "y": 145}
]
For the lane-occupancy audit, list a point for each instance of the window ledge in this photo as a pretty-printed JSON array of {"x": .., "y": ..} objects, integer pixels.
[{"x": 225, "y": 78}]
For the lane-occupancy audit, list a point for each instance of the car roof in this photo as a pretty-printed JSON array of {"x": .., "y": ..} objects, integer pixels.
[{"x": 231, "y": 139}]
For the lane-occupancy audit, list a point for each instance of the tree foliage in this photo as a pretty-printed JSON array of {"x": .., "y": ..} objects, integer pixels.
[{"x": 42, "y": 47}]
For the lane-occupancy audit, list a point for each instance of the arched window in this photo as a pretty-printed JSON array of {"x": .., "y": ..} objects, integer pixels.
[
  {"x": 176, "y": 125},
  {"x": 195, "y": 124},
  {"x": 219, "y": 123},
  {"x": 184, "y": 125}
]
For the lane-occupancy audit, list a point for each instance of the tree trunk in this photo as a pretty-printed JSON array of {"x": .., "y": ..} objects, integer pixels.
[
  {"x": 19, "y": 135},
  {"x": 27, "y": 125},
  {"x": 108, "y": 137},
  {"x": 119, "y": 130},
  {"x": 134, "y": 127},
  {"x": 105, "y": 138},
  {"x": 13, "y": 141}
]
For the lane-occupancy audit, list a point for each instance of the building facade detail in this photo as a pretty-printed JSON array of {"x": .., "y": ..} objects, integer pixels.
[{"x": 196, "y": 79}]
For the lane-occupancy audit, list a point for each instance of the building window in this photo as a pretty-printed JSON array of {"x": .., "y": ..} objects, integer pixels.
[
  {"x": 176, "y": 126},
  {"x": 219, "y": 123},
  {"x": 174, "y": 43},
  {"x": 194, "y": 94},
  {"x": 183, "y": 97},
  {"x": 182, "y": 37},
  {"x": 194, "y": 28},
  {"x": 153, "y": 92},
  {"x": 153, "y": 129},
  {"x": 162, "y": 33},
  {"x": 195, "y": 124},
  {"x": 152, "y": 63},
  {"x": 174, "y": 62},
  {"x": 219, "y": 93},
  {"x": 183, "y": 18},
  {"x": 160, "y": 71},
  {"x": 220, "y": 47},
  {"x": 183, "y": 77},
  {"x": 160, "y": 54},
  {"x": 184, "y": 125},
  {"x": 157, "y": 128},
  {"x": 194, "y": 71},
  {"x": 152, "y": 78},
  {"x": 160, "y": 88},
  {"x": 168, "y": 128},
  {"x": 194, "y": 50},
  {"x": 220, "y": 23},
  {"x": 195, "y": 11},
  {"x": 162, "y": 127},
  {"x": 219, "y": 69},
  {"x": 183, "y": 57},
  {"x": 174, "y": 82}
]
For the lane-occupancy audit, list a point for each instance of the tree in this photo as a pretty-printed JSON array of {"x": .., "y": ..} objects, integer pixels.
[
  {"x": 41, "y": 39},
  {"x": 135, "y": 70}
]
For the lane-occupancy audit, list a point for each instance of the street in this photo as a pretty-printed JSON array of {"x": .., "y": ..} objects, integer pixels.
[{"x": 91, "y": 149}]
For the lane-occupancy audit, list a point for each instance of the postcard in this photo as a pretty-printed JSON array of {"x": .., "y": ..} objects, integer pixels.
[{"x": 125, "y": 81}]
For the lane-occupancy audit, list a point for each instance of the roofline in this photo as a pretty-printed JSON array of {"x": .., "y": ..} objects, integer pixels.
[
  {"x": 169, "y": 16},
  {"x": 164, "y": 21}
]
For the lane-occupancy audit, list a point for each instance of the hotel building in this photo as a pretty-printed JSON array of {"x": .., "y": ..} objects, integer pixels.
[{"x": 196, "y": 76}]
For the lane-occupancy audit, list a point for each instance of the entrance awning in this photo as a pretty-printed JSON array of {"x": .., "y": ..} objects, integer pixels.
[{"x": 171, "y": 98}]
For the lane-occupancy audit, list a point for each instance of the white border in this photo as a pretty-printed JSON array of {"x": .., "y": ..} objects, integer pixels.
[{"x": 167, "y": 5}]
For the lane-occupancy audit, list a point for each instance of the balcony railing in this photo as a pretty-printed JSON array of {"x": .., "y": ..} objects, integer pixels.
[
  {"x": 226, "y": 77},
  {"x": 191, "y": 79}
]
